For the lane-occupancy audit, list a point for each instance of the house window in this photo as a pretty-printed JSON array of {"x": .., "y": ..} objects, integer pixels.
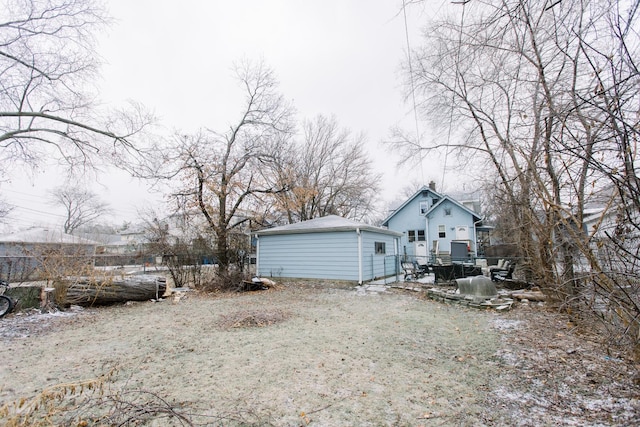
[
  {"x": 424, "y": 207},
  {"x": 434, "y": 201},
  {"x": 380, "y": 248},
  {"x": 447, "y": 211},
  {"x": 416, "y": 235},
  {"x": 442, "y": 232}
]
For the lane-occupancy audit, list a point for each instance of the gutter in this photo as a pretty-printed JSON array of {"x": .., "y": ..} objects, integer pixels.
[{"x": 270, "y": 231}]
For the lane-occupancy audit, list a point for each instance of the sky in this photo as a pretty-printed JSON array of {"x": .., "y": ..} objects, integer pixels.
[{"x": 338, "y": 58}]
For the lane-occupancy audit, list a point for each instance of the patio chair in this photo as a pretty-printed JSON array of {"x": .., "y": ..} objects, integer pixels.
[
  {"x": 411, "y": 269},
  {"x": 505, "y": 272},
  {"x": 422, "y": 266}
]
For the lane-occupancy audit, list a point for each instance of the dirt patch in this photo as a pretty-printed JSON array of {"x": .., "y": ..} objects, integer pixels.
[
  {"x": 252, "y": 318},
  {"x": 327, "y": 356}
]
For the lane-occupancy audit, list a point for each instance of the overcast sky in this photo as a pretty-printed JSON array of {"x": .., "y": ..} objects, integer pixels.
[{"x": 332, "y": 57}]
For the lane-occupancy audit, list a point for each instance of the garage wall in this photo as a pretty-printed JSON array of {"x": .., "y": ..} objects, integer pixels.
[
  {"x": 326, "y": 255},
  {"x": 373, "y": 264}
]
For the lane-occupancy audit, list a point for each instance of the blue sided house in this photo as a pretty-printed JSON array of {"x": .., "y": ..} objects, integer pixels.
[
  {"x": 435, "y": 227},
  {"x": 330, "y": 248}
]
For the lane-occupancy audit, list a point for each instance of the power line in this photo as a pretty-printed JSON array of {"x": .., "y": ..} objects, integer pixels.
[
  {"x": 413, "y": 89},
  {"x": 24, "y": 198},
  {"x": 39, "y": 212},
  {"x": 446, "y": 153}
]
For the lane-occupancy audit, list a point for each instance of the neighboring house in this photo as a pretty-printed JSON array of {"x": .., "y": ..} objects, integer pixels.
[
  {"x": 608, "y": 227},
  {"x": 109, "y": 244},
  {"x": 435, "y": 225},
  {"x": 36, "y": 252},
  {"x": 598, "y": 221},
  {"x": 330, "y": 247}
]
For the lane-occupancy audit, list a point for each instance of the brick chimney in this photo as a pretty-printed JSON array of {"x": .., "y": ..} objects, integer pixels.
[{"x": 432, "y": 185}]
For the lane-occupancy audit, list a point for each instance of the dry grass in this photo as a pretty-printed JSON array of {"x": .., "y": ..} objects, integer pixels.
[{"x": 318, "y": 355}]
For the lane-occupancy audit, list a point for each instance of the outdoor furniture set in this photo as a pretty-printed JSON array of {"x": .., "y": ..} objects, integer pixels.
[{"x": 450, "y": 272}]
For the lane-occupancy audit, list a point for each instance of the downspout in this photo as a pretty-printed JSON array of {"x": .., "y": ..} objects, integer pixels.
[
  {"x": 426, "y": 236},
  {"x": 257, "y": 255},
  {"x": 359, "y": 255},
  {"x": 475, "y": 237},
  {"x": 396, "y": 258}
]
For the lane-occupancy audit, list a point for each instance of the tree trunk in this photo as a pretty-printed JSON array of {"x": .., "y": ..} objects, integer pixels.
[{"x": 108, "y": 290}]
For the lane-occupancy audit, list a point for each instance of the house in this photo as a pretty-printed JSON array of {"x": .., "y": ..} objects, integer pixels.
[
  {"x": 613, "y": 236},
  {"x": 434, "y": 225},
  {"x": 330, "y": 247},
  {"x": 38, "y": 252},
  {"x": 108, "y": 244}
]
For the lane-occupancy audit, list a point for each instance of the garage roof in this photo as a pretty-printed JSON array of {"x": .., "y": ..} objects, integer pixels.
[{"x": 325, "y": 224}]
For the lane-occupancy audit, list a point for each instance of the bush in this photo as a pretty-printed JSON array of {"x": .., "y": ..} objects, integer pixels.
[{"x": 223, "y": 281}]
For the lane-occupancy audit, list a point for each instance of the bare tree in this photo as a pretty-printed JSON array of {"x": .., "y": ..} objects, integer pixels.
[
  {"x": 514, "y": 80},
  {"x": 219, "y": 174},
  {"x": 545, "y": 94},
  {"x": 81, "y": 206},
  {"x": 328, "y": 172},
  {"x": 47, "y": 62}
]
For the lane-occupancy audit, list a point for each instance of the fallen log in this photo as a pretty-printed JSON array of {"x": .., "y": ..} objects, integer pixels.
[
  {"x": 515, "y": 284},
  {"x": 109, "y": 290}
]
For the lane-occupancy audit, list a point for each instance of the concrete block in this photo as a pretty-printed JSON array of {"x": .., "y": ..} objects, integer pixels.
[{"x": 478, "y": 286}]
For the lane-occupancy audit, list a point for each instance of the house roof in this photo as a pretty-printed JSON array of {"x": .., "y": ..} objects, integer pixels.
[
  {"x": 443, "y": 198},
  {"x": 416, "y": 194},
  {"x": 104, "y": 239},
  {"x": 43, "y": 235},
  {"x": 325, "y": 224}
]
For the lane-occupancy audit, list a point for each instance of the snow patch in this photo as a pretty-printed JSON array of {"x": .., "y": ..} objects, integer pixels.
[{"x": 506, "y": 324}]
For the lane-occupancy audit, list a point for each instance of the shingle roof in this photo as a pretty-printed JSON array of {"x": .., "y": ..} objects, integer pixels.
[
  {"x": 325, "y": 224},
  {"x": 43, "y": 235}
]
